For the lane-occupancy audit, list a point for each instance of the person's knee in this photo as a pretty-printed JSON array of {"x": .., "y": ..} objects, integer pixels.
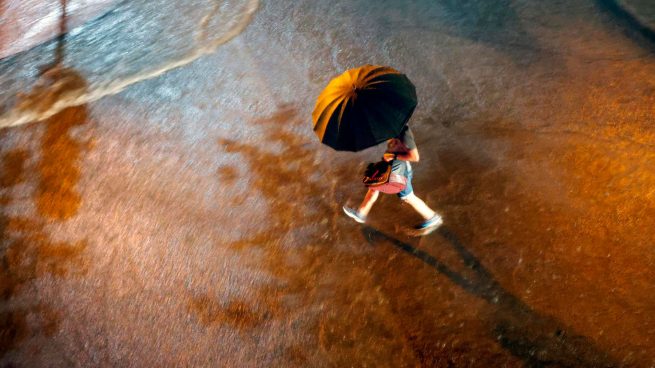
[{"x": 408, "y": 198}]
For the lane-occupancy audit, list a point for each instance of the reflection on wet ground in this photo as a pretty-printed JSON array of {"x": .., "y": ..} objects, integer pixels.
[
  {"x": 28, "y": 254},
  {"x": 27, "y": 251},
  {"x": 57, "y": 197}
]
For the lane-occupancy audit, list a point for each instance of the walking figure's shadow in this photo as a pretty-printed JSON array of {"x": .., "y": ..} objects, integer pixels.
[{"x": 538, "y": 340}]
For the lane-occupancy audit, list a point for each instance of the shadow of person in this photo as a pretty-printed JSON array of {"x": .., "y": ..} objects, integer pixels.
[
  {"x": 537, "y": 339},
  {"x": 636, "y": 31}
]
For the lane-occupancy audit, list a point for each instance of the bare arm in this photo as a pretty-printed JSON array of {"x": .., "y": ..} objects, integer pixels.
[{"x": 411, "y": 156}]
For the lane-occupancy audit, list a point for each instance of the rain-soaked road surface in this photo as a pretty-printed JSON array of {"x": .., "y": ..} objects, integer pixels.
[{"x": 169, "y": 205}]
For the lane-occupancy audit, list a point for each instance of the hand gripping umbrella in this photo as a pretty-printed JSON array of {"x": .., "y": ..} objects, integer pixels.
[{"x": 363, "y": 107}]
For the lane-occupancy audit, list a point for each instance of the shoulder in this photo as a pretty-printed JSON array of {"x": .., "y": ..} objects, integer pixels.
[{"x": 407, "y": 137}]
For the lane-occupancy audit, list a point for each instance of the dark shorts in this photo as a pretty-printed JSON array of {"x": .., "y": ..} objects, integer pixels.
[{"x": 408, "y": 189}]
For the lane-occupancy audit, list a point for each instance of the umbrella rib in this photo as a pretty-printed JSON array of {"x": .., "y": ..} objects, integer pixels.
[
  {"x": 344, "y": 103},
  {"x": 368, "y": 85},
  {"x": 324, "y": 117},
  {"x": 379, "y": 72},
  {"x": 367, "y": 116},
  {"x": 354, "y": 73}
]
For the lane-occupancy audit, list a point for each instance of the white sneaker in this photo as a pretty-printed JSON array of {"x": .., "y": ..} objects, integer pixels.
[
  {"x": 432, "y": 223},
  {"x": 354, "y": 214}
]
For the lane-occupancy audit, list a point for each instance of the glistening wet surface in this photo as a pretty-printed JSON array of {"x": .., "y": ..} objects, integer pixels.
[{"x": 193, "y": 219}]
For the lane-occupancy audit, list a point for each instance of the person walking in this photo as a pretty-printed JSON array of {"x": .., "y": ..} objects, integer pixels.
[
  {"x": 366, "y": 106},
  {"x": 403, "y": 147}
]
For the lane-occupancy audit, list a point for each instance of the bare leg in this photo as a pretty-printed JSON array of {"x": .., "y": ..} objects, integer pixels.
[
  {"x": 420, "y": 206},
  {"x": 367, "y": 203}
]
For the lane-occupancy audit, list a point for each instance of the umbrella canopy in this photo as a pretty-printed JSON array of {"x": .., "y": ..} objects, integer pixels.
[{"x": 363, "y": 107}]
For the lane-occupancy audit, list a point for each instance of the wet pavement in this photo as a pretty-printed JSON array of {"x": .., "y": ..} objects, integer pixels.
[{"x": 165, "y": 202}]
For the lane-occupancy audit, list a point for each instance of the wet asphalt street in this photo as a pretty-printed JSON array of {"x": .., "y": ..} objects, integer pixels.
[{"x": 164, "y": 201}]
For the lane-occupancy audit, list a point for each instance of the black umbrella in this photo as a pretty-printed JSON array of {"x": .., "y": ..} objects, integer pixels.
[{"x": 363, "y": 107}]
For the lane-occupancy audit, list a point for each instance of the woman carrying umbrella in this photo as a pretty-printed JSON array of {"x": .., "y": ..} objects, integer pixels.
[{"x": 364, "y": 107}]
